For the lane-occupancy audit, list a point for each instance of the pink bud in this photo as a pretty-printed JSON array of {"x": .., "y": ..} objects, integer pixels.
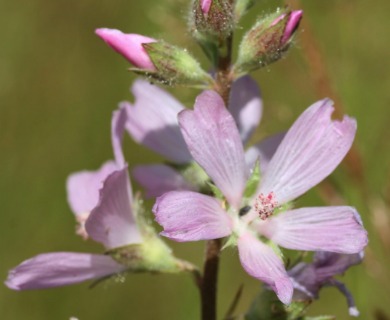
[
  {"x": 129, "y": 46},
  {"x": 292, "y": 25},
  {"x": 205, "y": 5}
]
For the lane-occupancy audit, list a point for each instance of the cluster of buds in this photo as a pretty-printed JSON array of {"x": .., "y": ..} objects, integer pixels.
[{"x": 211, "y": 23}]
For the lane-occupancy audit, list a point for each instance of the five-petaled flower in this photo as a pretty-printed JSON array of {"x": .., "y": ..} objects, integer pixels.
[
  {"x": 105, "y": 199},
  {"x": 308, "y": 153}
]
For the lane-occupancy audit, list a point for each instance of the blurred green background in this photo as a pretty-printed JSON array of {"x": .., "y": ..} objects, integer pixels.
[{"x": 59, "y": 84}]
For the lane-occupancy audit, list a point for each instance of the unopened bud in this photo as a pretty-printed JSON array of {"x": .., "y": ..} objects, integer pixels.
[
  {"x": 129, "y": 46},
  {"x": 212, "y": 18},
  {"x": 158, "y": 60},
  {"x": 266, "y": 41},
  {"x": 174, "y": 65}
]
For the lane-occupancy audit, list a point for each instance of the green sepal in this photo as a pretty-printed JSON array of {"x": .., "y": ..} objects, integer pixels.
[
  {"x": 152, "y": 255},
  {"x": 266, "y": 306},
  {"x": 275, "y": 248},
  {"x": 253, "y": 181},
  {"x": 215, "y": 190},
  {"x": 231, "y": 241},
  {"x": 284, "y": 207},
  {"x": 296, "y": 309},
  {"x": 174, "y": 66}
]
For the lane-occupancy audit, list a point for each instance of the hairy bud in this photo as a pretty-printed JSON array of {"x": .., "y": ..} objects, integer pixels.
[{"x": 266, "y": 42}]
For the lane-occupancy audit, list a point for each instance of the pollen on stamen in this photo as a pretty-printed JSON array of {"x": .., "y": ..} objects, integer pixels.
[{"x": 265, "y": 205}]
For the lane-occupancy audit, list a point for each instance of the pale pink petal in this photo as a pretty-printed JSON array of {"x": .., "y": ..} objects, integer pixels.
[
  {"x": 83, "y": 188},
  {"x": 214, "y": 142},
  {"x": 205, "y": 5},
  {"x": 60, "y": 269},
  {"x": 335, "y": 229},
  {"x": 129, "y": 46},
  {"x": 191, "y": 216},
  {"x": 261, "y": 262},
  {"x": 112, "y": 222},
  {"x": 152, "y": 121},
  {"x": 118, "y": 122},
  {"x": 310, "y": 151},
  {"x": 246, "y": 106},
  {"x": 158, "y": 179},
  {"x": 263, "y": 151}
]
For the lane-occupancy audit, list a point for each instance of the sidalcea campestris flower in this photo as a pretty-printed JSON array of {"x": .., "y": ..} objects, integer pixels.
[{"x": 308, "y": 153}]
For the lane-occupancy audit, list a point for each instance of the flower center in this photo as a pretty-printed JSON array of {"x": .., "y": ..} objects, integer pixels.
[{"x": 265, "y": 205}]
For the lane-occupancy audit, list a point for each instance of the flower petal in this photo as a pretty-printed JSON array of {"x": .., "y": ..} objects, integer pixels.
[
  {"x": 158, "y": 179},
  {"x": 214, "y": 142},
  {"x": 152, "y": 121},
  {"x": 335, "y": 229},
  {"x": 129, "y": 46},
  {"x": 60, "y": 269},
  {"x": 118, "y": 122},
  {"x": 260, "y": 261},
  {"x": 83, "y": 188},
  {"x": 191, "y": 216},
  {"x": 329, "y": 264},
  {"x": 310, "y": 151},
  {"x": 112, "y": 222},
  {"x": 246, "y": 106},
  {"x": 263, "y": 151}
]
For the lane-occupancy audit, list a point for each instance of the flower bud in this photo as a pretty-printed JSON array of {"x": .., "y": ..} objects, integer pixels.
[
  {"x": 212, "y": 18},
  {"x": 266, "y": 42},
  {"x": 129, "y": 46},
  {"x": 156, "y": 59},
  {"x": 174, "y": 65}
]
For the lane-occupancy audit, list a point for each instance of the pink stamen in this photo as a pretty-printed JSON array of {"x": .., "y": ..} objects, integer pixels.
[{"x": 265, "y": 205}]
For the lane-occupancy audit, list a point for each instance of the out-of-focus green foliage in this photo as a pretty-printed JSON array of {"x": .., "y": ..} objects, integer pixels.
[{"x": 59, "y": 84}]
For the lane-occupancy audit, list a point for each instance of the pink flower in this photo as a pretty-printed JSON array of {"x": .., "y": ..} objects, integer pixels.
[
  {"x": 111, "y": 223},
  {"x": 308, "y": 153},
  {"x": 83, "y": 187},
  {"x": 105, "y": 198},
  {"x": 129, "y": 46},
  {"x": 153, "y": 123}
]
